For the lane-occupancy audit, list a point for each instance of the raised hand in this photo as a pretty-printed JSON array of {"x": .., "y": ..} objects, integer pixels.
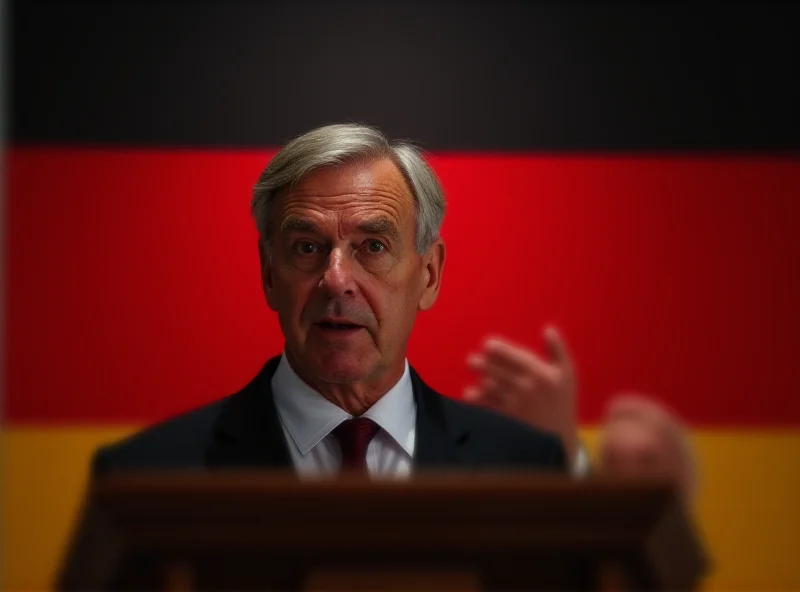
[{"x": 513, "y": 380}]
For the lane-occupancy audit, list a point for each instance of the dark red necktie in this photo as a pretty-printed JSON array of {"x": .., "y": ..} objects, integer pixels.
[{"x": 354, "y": 436}]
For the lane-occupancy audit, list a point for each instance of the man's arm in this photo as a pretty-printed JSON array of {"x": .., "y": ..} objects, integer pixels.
[{"x": 100, "y": 464}]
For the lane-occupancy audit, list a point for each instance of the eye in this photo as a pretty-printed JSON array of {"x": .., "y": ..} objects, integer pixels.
[
  {"x": 305, "y": 247},
  {"x": 374, "y": 246}
]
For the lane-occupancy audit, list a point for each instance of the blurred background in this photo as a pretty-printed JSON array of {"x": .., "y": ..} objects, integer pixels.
[{"x": 627, "y": 171}]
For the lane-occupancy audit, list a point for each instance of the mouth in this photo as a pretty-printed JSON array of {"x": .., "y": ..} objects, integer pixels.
[{"x": 338, "y": 327}]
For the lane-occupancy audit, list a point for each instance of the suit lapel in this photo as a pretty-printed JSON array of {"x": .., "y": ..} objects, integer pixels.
[
  {"x": 438, "y": 438},
  {"x": 248, "y": 431}
]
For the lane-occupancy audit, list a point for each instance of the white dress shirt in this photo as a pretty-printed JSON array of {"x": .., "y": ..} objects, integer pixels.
[{"x": 308, "y": 420}]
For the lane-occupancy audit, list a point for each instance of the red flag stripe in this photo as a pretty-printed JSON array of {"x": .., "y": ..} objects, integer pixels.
[{"x": 133, "y": 288}]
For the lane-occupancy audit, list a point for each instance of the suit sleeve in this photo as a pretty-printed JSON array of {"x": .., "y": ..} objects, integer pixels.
[
  {"x": 558, "y": 458},
  {"x": 100, "y": 464}
]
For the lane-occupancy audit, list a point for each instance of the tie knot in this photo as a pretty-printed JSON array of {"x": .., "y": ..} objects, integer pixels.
[{"x": 354, "y": 436}]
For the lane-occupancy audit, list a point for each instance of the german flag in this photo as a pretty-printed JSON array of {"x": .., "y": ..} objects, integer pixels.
[{"x": 626, "y": 171}]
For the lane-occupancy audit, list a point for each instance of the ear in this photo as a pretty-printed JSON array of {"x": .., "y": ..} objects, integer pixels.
[
  {"x": 266, "y": 273},
  {"x": 432, "y": 274}
]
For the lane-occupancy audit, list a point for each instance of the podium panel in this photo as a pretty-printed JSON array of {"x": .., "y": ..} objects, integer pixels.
[{"x": 437, "y": 532}]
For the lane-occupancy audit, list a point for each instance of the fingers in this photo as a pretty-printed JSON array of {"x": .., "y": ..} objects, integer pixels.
[
  {"x": 497, "y": 396},
  {"x": 493, "y": 391},
  {"x": 472, "y": 394},
  {"x": 498, "y": 379},
  {"x": 518, "y": 367},
  {"x": 486, "y": 394},
  {"x": 513, "y": 358},
  {"x": 518, "y": 383},
  {"x": 511, "y": 372},
  {"x": 485, "y": 397},
  {"x": 557, "y": 347},
  {"x": 477, "y": 362}
]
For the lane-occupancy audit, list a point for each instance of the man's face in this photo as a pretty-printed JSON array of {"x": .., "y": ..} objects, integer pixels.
[
  {"x": 343, "y": 274},
  {"x": 635, "y": 448}
]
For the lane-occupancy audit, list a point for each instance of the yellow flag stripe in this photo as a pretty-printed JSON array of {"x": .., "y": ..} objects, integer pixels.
[{"x": 747, "y": 508}]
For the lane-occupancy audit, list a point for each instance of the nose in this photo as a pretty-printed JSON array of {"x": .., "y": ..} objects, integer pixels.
[{"x": 338, "y": 277}]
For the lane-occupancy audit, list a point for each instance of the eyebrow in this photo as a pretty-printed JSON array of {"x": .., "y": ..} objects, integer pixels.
[
  {"x": 301, "y": 224},
  {"x": 382, "y": 226},
  {"x": 379, "y": 226}
]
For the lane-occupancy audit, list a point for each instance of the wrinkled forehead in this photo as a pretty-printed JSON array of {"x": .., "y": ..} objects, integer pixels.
[
  {"x": 357, "y": 178},
  {"x": 347, "y": 195}
]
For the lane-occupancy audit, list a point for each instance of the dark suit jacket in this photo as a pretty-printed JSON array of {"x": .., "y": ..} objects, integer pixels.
[{"x": 243, "y": 431}]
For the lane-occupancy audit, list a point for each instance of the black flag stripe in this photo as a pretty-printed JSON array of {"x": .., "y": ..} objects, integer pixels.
[{"x": 498, "y": 76}]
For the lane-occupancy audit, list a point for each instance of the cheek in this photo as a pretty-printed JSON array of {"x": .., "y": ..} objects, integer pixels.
[
  {"x": 377, "y": 295},
  {"x": 293, "y": 292},
  {"x": 392, "y": 300}
]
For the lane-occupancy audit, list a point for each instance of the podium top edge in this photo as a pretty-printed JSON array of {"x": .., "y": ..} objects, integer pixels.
[{"x": 456, "y": 482}]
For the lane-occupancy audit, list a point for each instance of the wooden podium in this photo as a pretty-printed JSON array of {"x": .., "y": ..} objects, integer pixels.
[{"x": 263, "y": 531}]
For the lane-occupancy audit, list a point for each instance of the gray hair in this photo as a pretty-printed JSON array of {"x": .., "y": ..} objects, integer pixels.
[{"x": 338, "y": 144}]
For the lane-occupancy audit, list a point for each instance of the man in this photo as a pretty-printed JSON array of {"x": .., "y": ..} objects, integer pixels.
[
  {"x": 639, "y": 436},
  {"x": 350, "y": 252}
]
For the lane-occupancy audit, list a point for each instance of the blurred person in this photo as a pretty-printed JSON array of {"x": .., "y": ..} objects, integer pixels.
[
  {"x": 350, "y": 252},
  {"x": 639, "y": 437}
]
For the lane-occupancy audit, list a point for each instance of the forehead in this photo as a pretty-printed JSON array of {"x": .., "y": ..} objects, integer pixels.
[{"x": 351, "y": 189}]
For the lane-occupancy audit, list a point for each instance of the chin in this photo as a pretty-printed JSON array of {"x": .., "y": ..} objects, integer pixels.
[
  {"x": 342, "y": 371},
  {"x": 342, "y": 368}
]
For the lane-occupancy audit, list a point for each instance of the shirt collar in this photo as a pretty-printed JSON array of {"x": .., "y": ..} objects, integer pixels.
[{"x": 309, "y": 417}]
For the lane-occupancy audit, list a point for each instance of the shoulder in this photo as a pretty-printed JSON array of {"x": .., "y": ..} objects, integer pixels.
[
  {"x": 180, "y": 441},
  {"x": 501, "y": 440},
  {"x": 183, "y": 441},
  {"x": 489, "y": 440}
]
